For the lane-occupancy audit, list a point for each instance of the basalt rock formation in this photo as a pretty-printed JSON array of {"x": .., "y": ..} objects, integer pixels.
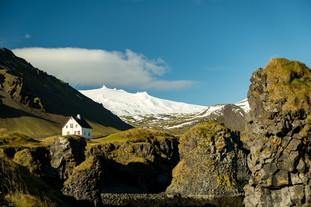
[
  {"x": 278, "y": 126},
  {"x": 212, "y": 163}
]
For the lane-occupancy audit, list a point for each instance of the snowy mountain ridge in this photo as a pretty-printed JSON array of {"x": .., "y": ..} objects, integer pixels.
[{"x": 122, "y": 103}]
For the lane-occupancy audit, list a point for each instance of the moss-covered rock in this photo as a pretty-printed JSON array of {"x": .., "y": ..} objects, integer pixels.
[
  {"x": 211, "y": 159},
  {"x": 85, "y": 181},
  {"x": 278, "y": 126},
  {"x": 144, "y": 161}
]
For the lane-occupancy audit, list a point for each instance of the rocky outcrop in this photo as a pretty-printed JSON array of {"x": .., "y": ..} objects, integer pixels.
[
  {"x": 145, "y": 164},
  {"x": 278, "y": 126},
  {"x": 36, "y": 160},
  {"x": 85, "y": 181},
  {"x": 67, "y": 153},
  {"x": 212, "y": 163}
]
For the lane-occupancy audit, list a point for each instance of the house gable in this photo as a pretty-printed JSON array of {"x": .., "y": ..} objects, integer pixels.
[{"x": 77, "y": 126}]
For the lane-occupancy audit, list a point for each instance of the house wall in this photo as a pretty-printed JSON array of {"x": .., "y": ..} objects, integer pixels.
[
  {"x": 87, "y": 133},
  {"x": 72, "y": 127}
]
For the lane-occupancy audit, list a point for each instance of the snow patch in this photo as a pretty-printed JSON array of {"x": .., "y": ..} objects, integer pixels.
[{"x": 244, "y": 105}]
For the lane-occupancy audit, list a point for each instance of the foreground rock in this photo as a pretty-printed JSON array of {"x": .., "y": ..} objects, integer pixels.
[
  {"x": 143, "y": 163},
  {"x": 212, "y": 163},
  {"x": 278, "y": 126},
  {"x": 162, "y": 200},
  {"x": 84, "y": 183},
  {"x": 66, "y": 153}
]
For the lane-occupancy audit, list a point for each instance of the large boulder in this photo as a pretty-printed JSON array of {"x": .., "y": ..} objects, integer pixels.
[
  {"x": 212, "y": 164},
  {"x": 278, "y": 126},
  {"x": 84, "y": 183},
  {"x": 66, "y": 153}
]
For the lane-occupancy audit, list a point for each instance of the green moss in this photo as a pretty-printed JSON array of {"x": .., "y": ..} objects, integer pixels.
[
  {"x": 207, "y": 129},
  {"x": 290, "y": 84},
  {"x": 24, "y": 158},
  {"x": 16, "y": 139},
  {"x": 87, "y": 164}
]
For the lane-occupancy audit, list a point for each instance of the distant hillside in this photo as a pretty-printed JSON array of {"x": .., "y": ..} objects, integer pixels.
[
  {"x": 232, "y": 115},
  {"x": 37, "y": 104}
]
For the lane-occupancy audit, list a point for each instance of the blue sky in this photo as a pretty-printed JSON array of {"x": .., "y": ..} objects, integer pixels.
[{"x": 194, "y": 51}]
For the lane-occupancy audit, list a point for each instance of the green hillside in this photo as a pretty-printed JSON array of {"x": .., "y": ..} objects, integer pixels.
[{"x": 38, "y": 105}]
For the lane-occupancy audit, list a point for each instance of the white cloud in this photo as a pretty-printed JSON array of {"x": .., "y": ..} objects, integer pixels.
[
  {"x": 27, "y": 36},
  {"x": 94, "y": 68}
]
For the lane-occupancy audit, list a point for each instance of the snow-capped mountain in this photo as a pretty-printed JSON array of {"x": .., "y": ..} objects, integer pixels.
[
  {"x": 142, "y": 110},
  {"x": 244, "y": 105},
  {"x": 122, "y": 103},
  {"x": 231, "y": 114}
]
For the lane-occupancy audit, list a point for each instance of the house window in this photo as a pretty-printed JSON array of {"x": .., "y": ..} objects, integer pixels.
[
  {"x": 84, "y": 133},
  {"x": 67, "y": 133},
  {"x": 71, "y": 125},
  {"x": 76, "y": 125},
  {"x": 89, "y": 134},
  {"x": 66, "y": 126}
]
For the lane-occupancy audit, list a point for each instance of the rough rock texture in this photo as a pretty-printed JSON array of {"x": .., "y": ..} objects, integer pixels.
[
  {"x": 84, "y": 183},
  {"x": 161, "y": 200},
  {"x": 145, "y": 163},
  {"x": 9, "y": 152},
  {"x": 66, "y": 153},
  {"x": 35, "y": 159},
  {"x": 212, "y": 163},
  {"x": 278, "y": 126}
]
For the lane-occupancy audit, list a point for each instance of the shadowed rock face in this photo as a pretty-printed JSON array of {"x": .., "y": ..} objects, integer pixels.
[
  {"x": 212, "y": 163},
  {"x": 144, "y": 166},
  {"x": 279, "y": 129},
  {"x": 84, "y": 183},
  {"x": 66, "y": 153}
]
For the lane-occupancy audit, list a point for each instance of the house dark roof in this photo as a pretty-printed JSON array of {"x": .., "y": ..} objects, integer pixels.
[{"x": 82, "y": 122}]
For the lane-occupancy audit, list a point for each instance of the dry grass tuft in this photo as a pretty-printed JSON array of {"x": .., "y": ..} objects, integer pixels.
[
  {"x": 289, "y": 82},
  {"x": 20, "y": 188}
]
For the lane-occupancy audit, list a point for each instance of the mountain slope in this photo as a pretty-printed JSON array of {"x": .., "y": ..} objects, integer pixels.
[
  {"x": 232, "y": 115},
  {"x": 38, "y": 104},
  {"x": 123, "y": 103}
]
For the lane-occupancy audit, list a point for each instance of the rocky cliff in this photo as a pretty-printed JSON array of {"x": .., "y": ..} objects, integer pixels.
[
  {"x": 278, "y": 126},
  {"x": 212, "y": 163},
  {"x": 142, "y": 163}
]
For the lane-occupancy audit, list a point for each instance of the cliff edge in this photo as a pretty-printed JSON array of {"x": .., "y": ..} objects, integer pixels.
[{"x": 278, "y": 126}]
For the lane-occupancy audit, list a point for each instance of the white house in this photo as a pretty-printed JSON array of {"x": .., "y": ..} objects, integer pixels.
[{"x": 78, "y": 126}]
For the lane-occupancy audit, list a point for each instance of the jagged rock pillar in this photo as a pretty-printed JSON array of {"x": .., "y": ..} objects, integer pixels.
[{"x": 278, "y": 126}]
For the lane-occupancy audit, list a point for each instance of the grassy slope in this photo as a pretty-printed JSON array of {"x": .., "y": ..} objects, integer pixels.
[
  {"x": 60, "y": 101},
  {"x": 21, "y": 188}
]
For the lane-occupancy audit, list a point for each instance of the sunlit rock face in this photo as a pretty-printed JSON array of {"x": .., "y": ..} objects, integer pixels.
[
  {"x": 278, "y": 126},
  {"x": 212, "y": 164}
]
